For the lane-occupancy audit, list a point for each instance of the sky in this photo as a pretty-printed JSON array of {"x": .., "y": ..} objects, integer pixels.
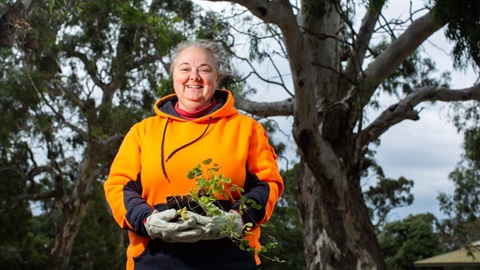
[{"x": 425, "y": 151}]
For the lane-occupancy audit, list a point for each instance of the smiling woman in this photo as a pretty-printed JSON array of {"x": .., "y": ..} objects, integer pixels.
[
  {"x": 197, "y": 123},
  {"x": 195, "y": 78}
]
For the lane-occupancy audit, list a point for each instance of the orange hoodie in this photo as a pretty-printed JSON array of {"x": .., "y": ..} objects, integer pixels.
[{"x": 156, "y": 155}]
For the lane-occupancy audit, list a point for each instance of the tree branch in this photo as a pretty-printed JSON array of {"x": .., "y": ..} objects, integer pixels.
[
  {"x": 254, "y": 71},
  {"x": 89, "y": 66},
  {"x": 265, "y": 109},
  {"x": 68, "y": 94},
  {"x": 276, "y": 12},
  {"x": 399, "y": 50},
  {"x": 280, "y": 76},
  {"x": 404, "y": 109},
  {"x": 360, "y": 45}
]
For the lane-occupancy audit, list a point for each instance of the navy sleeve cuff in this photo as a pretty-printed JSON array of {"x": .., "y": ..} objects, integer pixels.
[
  {"x": 137, "y": 208},
  {"x": 258, "y": 191}
]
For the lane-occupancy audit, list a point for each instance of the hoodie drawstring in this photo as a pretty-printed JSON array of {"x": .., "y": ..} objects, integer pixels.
[
  {"x": 179, "y": 148},
  {"x": 162, "y": 152}
]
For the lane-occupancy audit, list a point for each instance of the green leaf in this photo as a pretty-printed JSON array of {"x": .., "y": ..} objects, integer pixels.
[
  {"x": 190, "y": 175},
  {"x": 226, "y": 179},
  {"x": 202, "y": 182},
  {"x": 253, "y": 204}
]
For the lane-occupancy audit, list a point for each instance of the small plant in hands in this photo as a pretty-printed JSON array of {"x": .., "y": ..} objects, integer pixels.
[{"x": 210, "y": 185}]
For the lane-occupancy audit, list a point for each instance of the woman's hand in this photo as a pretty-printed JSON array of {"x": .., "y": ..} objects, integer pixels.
[
  {"x": 159, "y": 225},
  {"x": 227, "y": 224}
]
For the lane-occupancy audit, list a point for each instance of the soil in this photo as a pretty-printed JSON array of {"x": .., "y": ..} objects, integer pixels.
[{"x": 184, "y": 201}]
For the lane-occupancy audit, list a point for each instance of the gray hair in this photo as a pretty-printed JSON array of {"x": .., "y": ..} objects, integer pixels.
[{"x": 215, "y": 48}]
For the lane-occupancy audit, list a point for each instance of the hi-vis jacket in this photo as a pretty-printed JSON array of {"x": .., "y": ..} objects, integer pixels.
[{"x": 152, "y": 164}]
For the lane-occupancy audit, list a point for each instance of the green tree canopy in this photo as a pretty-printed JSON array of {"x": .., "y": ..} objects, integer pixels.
[
  {"x": 405, "y": 241},
  {"x": 462, "y": 208}
]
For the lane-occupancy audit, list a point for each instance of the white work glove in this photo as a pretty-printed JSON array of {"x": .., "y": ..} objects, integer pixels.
[
  {"x": 227, "y": 224},
  {"x": 158, "y": 225}
]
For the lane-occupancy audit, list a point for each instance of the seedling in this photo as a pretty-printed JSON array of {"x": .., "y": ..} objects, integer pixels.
[{"x": 211, "y": 185}]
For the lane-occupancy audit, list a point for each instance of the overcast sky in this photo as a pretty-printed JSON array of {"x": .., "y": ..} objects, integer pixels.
[{"x": 426, "y": 150}]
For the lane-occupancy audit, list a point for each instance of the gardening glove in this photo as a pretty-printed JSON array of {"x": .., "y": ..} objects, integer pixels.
[
  {"x": 227, "y": 224},
  {"x": 158, "y": 225}
]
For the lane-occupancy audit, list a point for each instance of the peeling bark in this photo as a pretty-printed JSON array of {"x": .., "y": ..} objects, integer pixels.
[{"x": 337, "y": 231}]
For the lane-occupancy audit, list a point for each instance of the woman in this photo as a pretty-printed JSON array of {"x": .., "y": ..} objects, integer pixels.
[{"x": 196, "y": 123}]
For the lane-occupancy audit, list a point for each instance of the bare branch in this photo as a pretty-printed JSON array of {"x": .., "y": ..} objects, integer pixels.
[
  {"x": 360, "y": 45},
  {"x": 279, "y": 12},
  {"x": 265, "y": 109},
  {"x": 89, "y": 66},
  {"x": 74, "y": 99},
  {"x": 276, "y": 12},
  {"x": 398, "y": 24},
  {"x": 387, "y": 27},
  {"x": 252, "y": 36},
  {"x": 85, "y": 136},
  {"x": 40, "y": 196},
  {"x": 254, "y": 71},
  {"x": 38, "y": 170},
  {"x": 273, "y": 80},
  {"x": 107, "y": 143},
  {"x": 279, "y": 129},
  {"x": 282, "y": 82},
  {"x": 405, "y": 108},
  {"x": 400, "y": 49}
]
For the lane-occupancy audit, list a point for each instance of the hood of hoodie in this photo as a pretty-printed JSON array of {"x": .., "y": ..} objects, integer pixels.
[{"x": 165, "y": 107}]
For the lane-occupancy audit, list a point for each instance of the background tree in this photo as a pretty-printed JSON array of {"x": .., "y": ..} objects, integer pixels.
[
  {"x": 386, "y": 195},
  {"x": 462, "y": 208},
  {"x": 405, "y": 241},
  {"x": 18, "y": 241},
  {"x": 337, "y": 72}
]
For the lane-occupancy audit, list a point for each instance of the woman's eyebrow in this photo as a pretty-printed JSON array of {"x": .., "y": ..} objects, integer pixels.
[{"x": 201, "y": 65}]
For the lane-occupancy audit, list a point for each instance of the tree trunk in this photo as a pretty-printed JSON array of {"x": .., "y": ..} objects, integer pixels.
[
  {"x": 337, "y": 231},
  {"x": 74, "y": 212},
  {"x": 60, "y": 254}
]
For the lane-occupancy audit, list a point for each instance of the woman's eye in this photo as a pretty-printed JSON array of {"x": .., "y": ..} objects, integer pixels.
[{"x": 205, "y": 70}]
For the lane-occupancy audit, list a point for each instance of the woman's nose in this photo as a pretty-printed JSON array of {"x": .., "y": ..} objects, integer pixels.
[{"x": 194, "y": 76}]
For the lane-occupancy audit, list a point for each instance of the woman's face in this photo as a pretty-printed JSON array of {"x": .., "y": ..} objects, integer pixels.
[{"x": 195, "y": 78}]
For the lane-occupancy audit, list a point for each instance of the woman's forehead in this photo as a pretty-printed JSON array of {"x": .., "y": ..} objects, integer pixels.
[{"x": 196, "y": 53}]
